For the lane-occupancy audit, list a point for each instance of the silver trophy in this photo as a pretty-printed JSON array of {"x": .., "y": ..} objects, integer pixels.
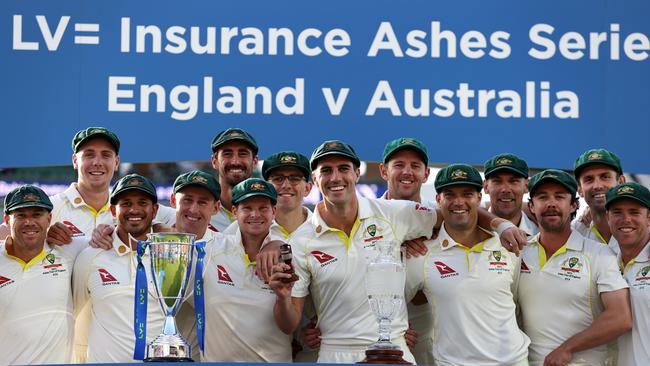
[
  {"x": 171, "y": 264},
  {"x": 385, "y": 279}
]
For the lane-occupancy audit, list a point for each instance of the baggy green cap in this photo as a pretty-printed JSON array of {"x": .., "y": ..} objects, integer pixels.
[
  {"x": 333, "y": 148},
  {"x": 199, "y": 179},
  {"x": 630, "y": 190},
  {"x": 554, "y": 175},
  {"x": 286, "y": 159},
  {"x": 253, "y": 187},
  {"x": 26, "y": 196},
  {"x": 506, "y": 162},
  {"x": 234, "y": 134},
  {"x": 457, "y": 174},
  {"x": 133, "y": 181},
  {"x": 597, "y": 156},
  {"x": 406, "y": 143},
  {"x": 95, "y": 132}
]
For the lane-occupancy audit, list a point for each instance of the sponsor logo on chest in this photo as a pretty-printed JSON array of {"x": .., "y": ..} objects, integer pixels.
[
  {"x": 323, "y": 258},
  {"x": 444, "y": 270},
  {"x": 4, "y": 281},
  {"x": 223, "y": 277},
  {"x": 107, "y": 278},
  {"x": 524, "y": 267}
]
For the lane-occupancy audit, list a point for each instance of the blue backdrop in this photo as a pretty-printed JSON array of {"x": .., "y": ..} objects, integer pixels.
[{"x": 487, "y": 69}]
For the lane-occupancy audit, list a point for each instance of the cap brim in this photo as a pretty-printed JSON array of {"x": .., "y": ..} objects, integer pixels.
[
  {"x": 30, "y": 204},
  {"x": 617, "y": 198},
  {"x": 104, "y": 136},
  {"x": 253, "y": 147},
  {"x": 354, "y": 158},
  {"x": 508, "y": 168},
  {"x": 255, "y": 194},
  {"x": 555, "y": 180},
  {"x": 114, "y": 196},
  {"x": 579, "y": 169},
  {"x": 419, "y": 151},
  {"x": 183, "y": 185},
  {"x": 439, "y": 188},
  {"x": 302, "y": 169}
]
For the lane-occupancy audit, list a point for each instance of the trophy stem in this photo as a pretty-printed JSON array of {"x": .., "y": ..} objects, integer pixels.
[
  {"x": 384, "y": 330},
  {"x": 169, "y": 328}
]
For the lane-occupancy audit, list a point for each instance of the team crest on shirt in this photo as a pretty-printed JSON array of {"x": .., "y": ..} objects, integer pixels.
[
  {"x": 571, "y": 268},
  {"x": 323, "y": 258},
  {"x": 4, "y": 281},
  {"x": 643, "y": 275},
  {"x": 107, "y": 278},
  {"x": 51, "y": 266},
  {"x": 497, "y": 262},
  {"x": 223, "y": 277},
  {"x": 372, "y": 234},
  {"x": 75, "y": 230},
  {"x": 444, "y": 270}
]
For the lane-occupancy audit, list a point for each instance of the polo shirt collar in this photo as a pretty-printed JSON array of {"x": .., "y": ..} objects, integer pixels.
[
  {"x": 489, "y": 244},
  {"x": 364, "y": 212}
]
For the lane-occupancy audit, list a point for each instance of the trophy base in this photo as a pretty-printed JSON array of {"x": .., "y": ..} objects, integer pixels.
[
  {"x": 166, "y": 348},
  {"x": 168, "y": 359},
  {"x": 385, "y": 356}
]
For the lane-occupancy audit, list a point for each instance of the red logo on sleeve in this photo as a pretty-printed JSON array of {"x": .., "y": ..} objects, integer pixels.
[
  {"x": 443, "y": 268},
  {"x": 222, "y": 274},
  {"x": 75, "y": 230}
]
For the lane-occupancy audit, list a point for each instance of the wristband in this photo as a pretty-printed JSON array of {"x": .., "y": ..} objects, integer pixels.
[{"x": 504, "y": 226}]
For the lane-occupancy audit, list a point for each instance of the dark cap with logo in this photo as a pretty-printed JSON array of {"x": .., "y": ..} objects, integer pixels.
[
  {"x": 95, "y": 132},
  {"x": 26, "y": 196},
  {"x": 630, "y": 190},
  {"x": 457, "y": 174},
  {"x": 199, "y": 179},
  {"x": 506, "y": 162},
  {"x": 253, "y": 187},
  {"x": 597, "y": 156},
  {"x": 406, "y": 143},
  {"x": 553, "y": 175},
  {"x": 286, "y": 159},
  {"x": 334, "y": 148},
  {"x": 234, "y": 134},
  {"x": 133, "y": 182}
]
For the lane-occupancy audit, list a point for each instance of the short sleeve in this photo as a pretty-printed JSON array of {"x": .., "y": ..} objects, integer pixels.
[
  {"x": 414, "y": 276},
  {"x": 412, "y": 219},
  {"x": 608, "y": 275}
]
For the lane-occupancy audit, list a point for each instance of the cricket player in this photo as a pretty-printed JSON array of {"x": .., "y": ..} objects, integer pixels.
[
  {"x": 597, "y": 171},
  {"x": 234, "y": 156},
  {"x": 239, "y": 306},
  {"x": 405, "y": 168},
  {"x": 469, "y": 279},
  {"x": 506, "y": 182},
  {"x": 572, "y": 296},
  {"x": 628, "y": 214},
  {"x": 105, "y": 279},
  {"x": 35, "y": 284}
]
